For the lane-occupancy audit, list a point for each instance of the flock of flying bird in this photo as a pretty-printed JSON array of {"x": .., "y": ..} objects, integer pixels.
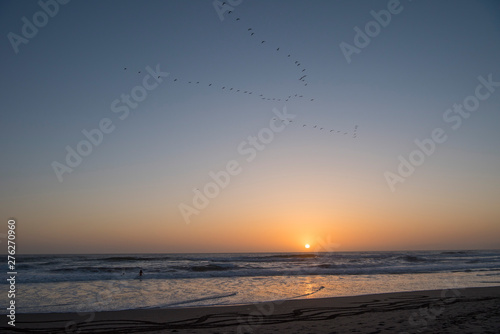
[{"x": 262, "y": 96}]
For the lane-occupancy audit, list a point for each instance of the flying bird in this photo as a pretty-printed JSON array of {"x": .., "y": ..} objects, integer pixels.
[
  {"x": 249, "y": 29},
  {"x": 124, "y": 68},
  {"x": 139, "y": 72},
  {"x": 238, "y": 19},
  {"x": 288, "y": 55},
  {"x": 315, "y": 126},
  {"x": 262, "y": 42},
  {"x": 252, "y": 34},
  {"x": 175, "y": 79},
  {"x": 209, "y": 85},
  {"x": 277, "y": 49}
]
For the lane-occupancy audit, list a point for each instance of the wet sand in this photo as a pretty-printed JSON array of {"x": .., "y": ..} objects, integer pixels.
[{"x": 469, "y": 310}]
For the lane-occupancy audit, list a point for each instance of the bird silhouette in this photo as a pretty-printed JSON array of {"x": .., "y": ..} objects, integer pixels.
[
  {"x": 238, "y": 19},
  {"x": 262, "y": 42},
  {"x": 249, "y": 29},
  {"x": 139, "y": 72},
  {"x": 209, "y": 85},
  {"x": 124, "y": 68},
  {"x": 289, "y": 56},
  {"x": 252, "y": 34},
  {"x": 175, "y": 79},
  {"x": 315, "y": 126},
  {"x": 277, "y": 49}
]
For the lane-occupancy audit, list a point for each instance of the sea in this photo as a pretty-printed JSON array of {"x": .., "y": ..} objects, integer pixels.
[{"x": 91, "y": 283}]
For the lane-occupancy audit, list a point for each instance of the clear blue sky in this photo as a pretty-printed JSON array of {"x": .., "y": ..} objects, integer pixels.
[{"x": 126, "y": 193}]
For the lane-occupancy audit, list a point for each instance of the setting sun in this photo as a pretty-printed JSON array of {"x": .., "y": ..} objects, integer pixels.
[{"x": 307, "y": 246}]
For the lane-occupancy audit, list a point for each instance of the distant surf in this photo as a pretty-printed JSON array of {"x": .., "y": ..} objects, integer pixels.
[{"x": 74, "y": 268}]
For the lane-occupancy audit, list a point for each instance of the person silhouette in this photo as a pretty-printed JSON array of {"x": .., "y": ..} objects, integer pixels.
[{"x": 140, "y": 272}]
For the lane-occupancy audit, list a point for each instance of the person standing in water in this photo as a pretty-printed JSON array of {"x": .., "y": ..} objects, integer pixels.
[{"x": 140, "y": 273}]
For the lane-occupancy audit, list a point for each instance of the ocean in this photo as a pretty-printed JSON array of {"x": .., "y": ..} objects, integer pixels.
[{"x": 90, "y": 283}]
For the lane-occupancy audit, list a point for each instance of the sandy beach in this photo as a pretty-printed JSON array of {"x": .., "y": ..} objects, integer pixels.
[{"x": 469, "y": 310}]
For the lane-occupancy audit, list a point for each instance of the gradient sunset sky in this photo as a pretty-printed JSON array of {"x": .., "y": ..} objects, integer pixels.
[{"x": 307, "y": 185}]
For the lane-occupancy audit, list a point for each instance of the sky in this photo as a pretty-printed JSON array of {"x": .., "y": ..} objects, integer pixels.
[{"x": 185, "y": 126}]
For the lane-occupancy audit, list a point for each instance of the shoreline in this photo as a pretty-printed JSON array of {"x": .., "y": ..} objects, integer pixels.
[{"x": 455, "y": 310}]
